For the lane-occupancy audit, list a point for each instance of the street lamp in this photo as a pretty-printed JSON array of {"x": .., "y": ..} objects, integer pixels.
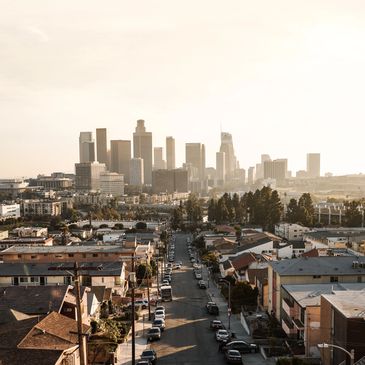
[
  {"x": 229, "y": 300},
  {"x": 328, "y": 345}
]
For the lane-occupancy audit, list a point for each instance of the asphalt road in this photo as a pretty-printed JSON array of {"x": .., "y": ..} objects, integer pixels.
[{"x": 187, "y": 338}]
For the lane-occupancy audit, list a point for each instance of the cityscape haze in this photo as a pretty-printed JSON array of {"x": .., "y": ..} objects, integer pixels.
[{"x": 282, "y": 82}]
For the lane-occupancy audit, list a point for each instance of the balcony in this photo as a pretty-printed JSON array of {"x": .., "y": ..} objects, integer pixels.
[
  {"x": 288, "y": 307},
  {"x": 288, "y": 326}
]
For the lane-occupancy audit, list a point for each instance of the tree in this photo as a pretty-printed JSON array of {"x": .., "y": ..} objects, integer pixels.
[
  {"x": 275, "y": 210},
  {"x": 243, "y": 294},
  {"x": 306, "y": 210},
  {"x": 292, "y": 213},
  {"x": 212, "y": 208},
  {"x": 143, "y": 270},
  {"x": 353, "y": 216},
  {"x": 141, "y": 225},
  {"x": 177, "y": 218},
  {"x": 118, "y": 226}
]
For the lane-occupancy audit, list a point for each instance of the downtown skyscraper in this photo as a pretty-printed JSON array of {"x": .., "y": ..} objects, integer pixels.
[
  {"x": 101, "y": 146},
  {"x": 170, "y": 153},
  {"x": 230, "y": 158},
  {"x": 142, "y": 148}
]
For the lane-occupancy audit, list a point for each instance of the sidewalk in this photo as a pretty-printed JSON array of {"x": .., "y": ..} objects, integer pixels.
[
  {"x": 216, "y": 296},
  {"x": 141, "y": 327}
]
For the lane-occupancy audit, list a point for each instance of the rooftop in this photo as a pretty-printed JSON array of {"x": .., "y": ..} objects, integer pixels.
[
  {"x": 350, "y": 303},
  {"x": 325, "y": 265},
  {"x": 64, "y": 249},
  {"x": 42, "y": 269},
  {"x": 310, "y": 295}
]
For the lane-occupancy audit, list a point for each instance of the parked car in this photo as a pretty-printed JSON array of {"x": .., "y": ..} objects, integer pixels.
[
  {"x": 139, "y": 303},
  {"x": 222, "y": 335},
  {"x": 159, "y": 314},
  {"x": 160, "y": 307},
  {"x": 149, "y": 355},
  {"x": 242, "y": 346},
  {"x": 154, "y": 333},
  {"x": 198, "y": 276},
  {"x": 213, "y": 309},
  {"x": 160, "y": 323},
  {"x": 143, "y": 362},
  {"x": 233, "y": 357},
  {"x": 202, "y": 284},
  {"x": 216, "y": 324},
  {"x": 165, "y": 282}
]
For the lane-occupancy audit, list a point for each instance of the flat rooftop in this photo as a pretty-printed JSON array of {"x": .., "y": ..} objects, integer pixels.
[
  {"x": 350, "y": 303},
  {"x": 310, "y": 295},
  {"x": 64, "y": 249}
]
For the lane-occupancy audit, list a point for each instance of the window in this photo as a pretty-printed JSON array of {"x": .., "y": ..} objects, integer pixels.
[
  {"x": 23, "y": 279},
  {"x": 33, "y": 257},
  {"x": 59, "y": 256},
  {"x": 19, "y": 256},
  {"x": 316, "y": 276},
  {"x": 70, "y": 255},
  {"x": 334, "y": 279},
  {"x": 34, "y": 279},
  {"x": 359, "y": 279},
  {"x": 95, "y": 255},
  {"x": 84, "y": 255}
]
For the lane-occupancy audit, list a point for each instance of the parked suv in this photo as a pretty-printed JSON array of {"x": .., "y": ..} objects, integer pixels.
[
  {"x": 154, "y": 333},
  {"x": 242, "y": 346}
]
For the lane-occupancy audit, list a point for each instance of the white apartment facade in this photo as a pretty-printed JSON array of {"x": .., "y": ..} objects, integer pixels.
[
  {"x": 9, "y": 211},
  {"x": 291, "y": 231},
  {"x": 112, "y": 183}
]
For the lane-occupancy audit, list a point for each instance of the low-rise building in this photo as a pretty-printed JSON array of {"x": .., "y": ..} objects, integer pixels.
[
  {"x": 4, "y": 234},
  {"x": 342, "y": 324},
  {"x": 311, "y": 270},
  {"x": 9, "y": 211},
  {"x": 25, "y": 241},
  {"x": 30, "y": 231},
  {"x": 41, "y": 207},
  {"x": 290, "y": 231},
  {"x": 112, "y": 183},
  {"x": 34, "y": 274}
]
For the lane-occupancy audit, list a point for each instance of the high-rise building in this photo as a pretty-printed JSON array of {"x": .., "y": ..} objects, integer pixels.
[
  {"x": 142, "y": 148},
  {"x": 276, "y": 169},
  {"x": 240, "y": 176},
  {"x": 101, "y": 146},
  {"x": 87, "y": 176},
  {"x": 195, "y": 155},
  {"x": 120, "y": 156},
  {"x": 221, "y": 166},
  {"x": 313, "y": 165},
  {"x": 170, "y": 153},
  {"x": 250, "y": 175},
  {"x": 265, "y": 157},
  {"x": 86, "y": 147},
  {"x": 230, "y": 158},
  {"x": 136, "y": 176},
  {"x": 112, "y": 183},
  {"x": 158, "y": 161},
  {"x": 170, "y": 181}
]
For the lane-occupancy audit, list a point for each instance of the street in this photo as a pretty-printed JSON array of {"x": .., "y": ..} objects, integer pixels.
[{"x": 187, "y": 338}]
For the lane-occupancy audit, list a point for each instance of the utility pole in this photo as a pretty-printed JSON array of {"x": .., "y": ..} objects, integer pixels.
[
  {"x": 76, "y": 270},
  {"x": 132, "y": 280}
]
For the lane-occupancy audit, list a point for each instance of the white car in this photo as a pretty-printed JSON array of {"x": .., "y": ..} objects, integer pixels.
[
  {"x": 222, "y": 335},
  {"x": 160, "y": 307},
  {"x": 159, "y": 314}
]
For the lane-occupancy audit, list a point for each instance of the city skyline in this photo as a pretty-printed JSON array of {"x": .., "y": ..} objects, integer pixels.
[{"x": 285, "y": 81}]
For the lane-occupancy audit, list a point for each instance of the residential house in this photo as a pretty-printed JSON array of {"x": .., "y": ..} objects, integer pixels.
[
  {"x": 31, "y": 340},
  {"x": 94, "y": 274}
]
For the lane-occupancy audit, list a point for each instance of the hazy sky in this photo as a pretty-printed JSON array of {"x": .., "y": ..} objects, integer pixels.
[{"x": 284, "y": 77}]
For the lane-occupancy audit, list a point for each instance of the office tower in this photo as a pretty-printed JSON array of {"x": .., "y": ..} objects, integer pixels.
[
  {"x": 276, "y": 169},
  {"x": 250, "y": 175},
  {"x": 142, "y": 148},
  {"x": 240, "y": 175},
  {"x": 313, "y": 165},
  {"x": 170, "y": 181},
  {"x": 112, "y": 183},
  {"x": 230, "y": 158},
  {"x": 136, "y": 175},
  {"x": 101, "y": 146},
  {"x": 221, "y": 166},
  {"x": 120, "y": 156},
  {"x": 86, "y": 147},
  {"x": 265, "y": 157},
  {"x": 158, "y": 162},
  {"x": 87, "y": 176},
  {"x": 170, "y": 153},
  {"x": 195, "y": 155}
]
